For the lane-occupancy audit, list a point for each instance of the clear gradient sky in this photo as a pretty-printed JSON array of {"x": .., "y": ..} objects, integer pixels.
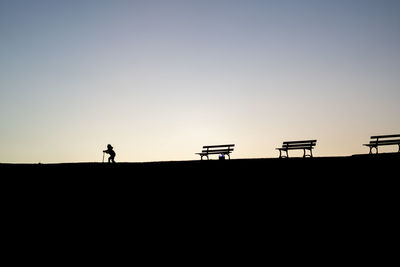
[{"x": 160, "y": 79}]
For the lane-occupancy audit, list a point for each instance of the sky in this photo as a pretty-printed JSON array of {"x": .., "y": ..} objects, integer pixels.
[{"x": 160, "y": 79}]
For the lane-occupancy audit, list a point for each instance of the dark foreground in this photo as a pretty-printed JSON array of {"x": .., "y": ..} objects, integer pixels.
[
  {"x": 251, "y": 177},
  {"x": 381, "y": 166},
  {"x": 242, "y": 183},
  {"x": 296, "y": 209},
  {"x": 335, "y": 178}
]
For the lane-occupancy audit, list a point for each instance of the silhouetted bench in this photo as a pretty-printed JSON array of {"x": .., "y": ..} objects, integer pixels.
[
  {"x": 219, "y": 149},
  {"x": 292, "y": 145},
  {"x": 383, "y": 140}
]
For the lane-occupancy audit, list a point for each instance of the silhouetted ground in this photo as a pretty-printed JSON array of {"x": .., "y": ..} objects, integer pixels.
[
  {"x": 298, "y": 209},
  {"x": 356, "y": 166},
  {"x": 285, "y": 179},
  {"x": 253, "y": 184}
]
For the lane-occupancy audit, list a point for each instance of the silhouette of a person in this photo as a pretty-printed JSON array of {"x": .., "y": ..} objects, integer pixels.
[{"x": 111, "y": 152}]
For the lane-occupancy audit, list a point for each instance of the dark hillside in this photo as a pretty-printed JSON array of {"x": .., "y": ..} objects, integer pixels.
[
  {"x": 266, "y": 169},
  {"x": 319, "y": 200}
]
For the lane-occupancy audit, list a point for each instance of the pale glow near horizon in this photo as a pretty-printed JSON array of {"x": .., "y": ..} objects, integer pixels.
[{"x": 160, "y": 79}]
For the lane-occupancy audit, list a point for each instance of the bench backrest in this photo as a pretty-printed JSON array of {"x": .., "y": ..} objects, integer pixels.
[
  {"x": 385, "y": 136},
  {"x": 219, "y": 148},
  {"x": 387, "y": 139},
  {"x": 299, "y": 144}
]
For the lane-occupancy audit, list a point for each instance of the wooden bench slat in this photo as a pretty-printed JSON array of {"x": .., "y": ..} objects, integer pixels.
[
  {"x": 217, "y": 151},
  {"x": 300, "y": 142},
  {"x": 385, "y": 136},
  {"x": 214, "y": 146},
  {"x": 297, "y": 147},
  {"x": 294, "y": 148},
  {"x": 385, "y": 142}
]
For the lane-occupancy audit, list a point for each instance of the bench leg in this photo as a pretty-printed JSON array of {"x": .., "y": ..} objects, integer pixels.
[
  {"x": 203, "y": 156},
  {"x": 305, "y": 154},
  {"x": 372, "y": 147},
  {"x": 283, "y": 156}
]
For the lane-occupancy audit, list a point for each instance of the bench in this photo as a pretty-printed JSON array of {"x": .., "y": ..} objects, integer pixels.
[
  {"x": 292, "y": 145},
  {"x": 383, "y": 140},
  {"x": 218, "y": 149}
]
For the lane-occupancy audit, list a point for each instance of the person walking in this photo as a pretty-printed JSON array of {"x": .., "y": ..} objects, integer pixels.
[{"x": 111, "y": 152}]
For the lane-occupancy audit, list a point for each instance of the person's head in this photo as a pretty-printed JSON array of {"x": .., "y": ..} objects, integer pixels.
[{"x": 109, "y": 146}]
